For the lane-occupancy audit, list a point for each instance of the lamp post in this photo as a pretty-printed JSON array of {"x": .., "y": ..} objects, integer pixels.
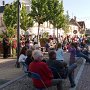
[{"x": 18, "y": 35}]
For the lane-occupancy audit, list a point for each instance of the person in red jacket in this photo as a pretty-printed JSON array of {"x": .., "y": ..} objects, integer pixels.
[{"x": 43, "y": 70}]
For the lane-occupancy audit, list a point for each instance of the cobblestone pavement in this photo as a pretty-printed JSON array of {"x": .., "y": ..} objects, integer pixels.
[
  {"x": 8, "y": 71},
  {"x": 84, "y": 82}
]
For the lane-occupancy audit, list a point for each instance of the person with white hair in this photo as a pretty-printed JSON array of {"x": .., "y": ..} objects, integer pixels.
[{"x": 43, "y": 70}]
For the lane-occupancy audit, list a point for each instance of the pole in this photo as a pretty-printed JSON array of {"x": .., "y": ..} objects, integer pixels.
[{"x": 18, "y": 36}]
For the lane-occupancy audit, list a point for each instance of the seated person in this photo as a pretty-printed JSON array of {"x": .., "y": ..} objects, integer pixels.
[
  {"x": 43, "y": 70},
  {"x": 61, "y": 67},
  {"x": 59, "y": 53},
  {"x": 23, "y": 55},
  {"x": 29, "y": 58},
  {"x": 79, "y": 53}
]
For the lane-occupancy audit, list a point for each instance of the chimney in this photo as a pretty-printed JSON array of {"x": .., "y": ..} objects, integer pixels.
[
  {"x": 3, "y": 3},
  {"x": 75, "y": 18}
]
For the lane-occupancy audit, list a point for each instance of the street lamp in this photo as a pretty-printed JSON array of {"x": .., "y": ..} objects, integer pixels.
[{"x": 18, "y": 36}]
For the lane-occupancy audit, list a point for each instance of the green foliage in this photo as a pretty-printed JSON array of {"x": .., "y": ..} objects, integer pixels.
[
  {"x": 10, "y": 18},
  {"x": 25, "y": 20},
  {"x": 10, "y": 15},
  {"x": 38, "y": 10},
  {"x": 10, "y": 32},
  {"x": 55, "y": 13},
  {"x": 66, "y": 23}
]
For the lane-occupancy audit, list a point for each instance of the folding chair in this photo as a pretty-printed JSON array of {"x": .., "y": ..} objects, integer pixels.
[
  {"x": 24, "y": 66},
  {"x": 38, "y": 77},
  {"x": 55, "y": 70}
]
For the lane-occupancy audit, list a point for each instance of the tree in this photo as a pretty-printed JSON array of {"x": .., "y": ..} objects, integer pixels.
[
  {"x": 59, "y": 20},
  {"x": 10, "y": 14},
  {"x": 66, "y": 23},
  {"x": 38, "y": 12},
  {"x": 25, "y": 20},
  {"x": 11, "y": 32},
  {"x": 10, "y": 17},
  {"x": 56, "y": 14}
]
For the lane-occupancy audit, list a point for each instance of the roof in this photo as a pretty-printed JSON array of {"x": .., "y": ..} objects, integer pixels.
[
  {"x": 1, "y": 9},
  {"x": 74, "y": 22},
  {"x": 81, "y": 23}
]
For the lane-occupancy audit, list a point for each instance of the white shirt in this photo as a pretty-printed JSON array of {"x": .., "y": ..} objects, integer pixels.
[{"x": 22, "y": 58}]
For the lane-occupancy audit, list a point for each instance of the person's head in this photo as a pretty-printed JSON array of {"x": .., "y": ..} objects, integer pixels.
[
  {"x": 72, "y": 45},
  {"x": 36, "y": 46},
  {"x": 59, "y": 45},
  {"x": 52, "y": 55},
  {"x": 29, "y": 53},
  {"x": 23, "y": 51},
  {"x": 26, "y": 43},
  {"x": 37, "y": 55}
]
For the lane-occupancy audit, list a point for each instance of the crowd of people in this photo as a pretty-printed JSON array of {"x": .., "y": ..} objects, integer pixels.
[{"x": 33, "y": 57}]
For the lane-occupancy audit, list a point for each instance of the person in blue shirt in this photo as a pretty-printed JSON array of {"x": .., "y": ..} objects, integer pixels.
[{"x": 59, "y": 53}]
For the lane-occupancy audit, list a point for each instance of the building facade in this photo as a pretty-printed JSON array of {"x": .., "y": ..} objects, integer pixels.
[
  {"x": 74, "y": 28},
  {"x": 27, "y": 3}
]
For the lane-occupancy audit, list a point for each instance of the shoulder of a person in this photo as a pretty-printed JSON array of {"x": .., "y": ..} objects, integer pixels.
[
  {"x": 23, "y": 56},
  {"x": 43, "y": 64}
]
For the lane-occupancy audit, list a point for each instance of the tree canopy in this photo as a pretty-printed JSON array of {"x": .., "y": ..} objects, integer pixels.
[
  {"x": 10, "y": 15},
  {"x": 25, "y": 20},
  {"x": 38, "y": 10},
  {"x": 41, "y": 11}
]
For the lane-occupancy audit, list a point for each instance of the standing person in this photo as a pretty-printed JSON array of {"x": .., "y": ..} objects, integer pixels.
[
  {"x": 59, "y": 53},
  {"x": 27, "y": 44},
  {"x": 35, "y": 40},
  {"x": 14, "y": 46},
  {"x": 47, "y": 46},
  {"x": 5, "y": 46},
  {"x": 43, "y": 70},
  {"x": 72, "y": 52}
]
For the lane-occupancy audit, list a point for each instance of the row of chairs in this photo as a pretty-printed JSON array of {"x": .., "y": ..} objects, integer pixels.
[{"x": 36, "y": 75}]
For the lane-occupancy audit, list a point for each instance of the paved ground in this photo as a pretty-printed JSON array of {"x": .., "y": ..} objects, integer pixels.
[
  {"x": 84, "y": 82},
  {"x": 8, "y": 72}
]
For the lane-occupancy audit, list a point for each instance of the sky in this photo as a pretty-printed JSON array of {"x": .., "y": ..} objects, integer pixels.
[{"x": 78, "y": 8}]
